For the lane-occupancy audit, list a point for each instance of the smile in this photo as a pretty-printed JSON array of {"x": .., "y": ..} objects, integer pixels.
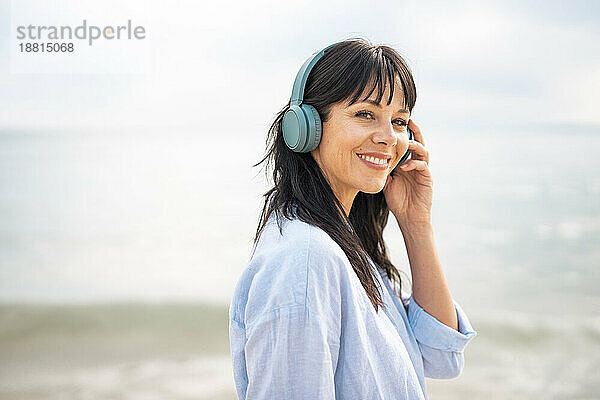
[{"x": 374, "y": 162}]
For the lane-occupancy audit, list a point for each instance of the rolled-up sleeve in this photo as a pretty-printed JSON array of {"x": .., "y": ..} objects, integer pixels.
[
  {"x": 290, "y": 354},
  {"x": 441, "y": 346}
]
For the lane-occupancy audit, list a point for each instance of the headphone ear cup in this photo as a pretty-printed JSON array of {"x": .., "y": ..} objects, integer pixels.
[
  {"x": 295, "y": 128},
  {"x": 315, "y": 128},
  {"x": 411, "y": 136}
]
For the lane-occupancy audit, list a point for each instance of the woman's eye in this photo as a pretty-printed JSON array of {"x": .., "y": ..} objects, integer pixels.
[
  {"x": 399, "y": 122},
  {"x": 364, "y": 113}
]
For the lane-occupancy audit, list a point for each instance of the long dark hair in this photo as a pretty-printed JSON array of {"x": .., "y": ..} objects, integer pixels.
[{"x": 300, "y": 187}]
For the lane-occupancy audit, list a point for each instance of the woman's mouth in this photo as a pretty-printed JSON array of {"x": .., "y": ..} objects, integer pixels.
[{"x": 375, "y": 162}]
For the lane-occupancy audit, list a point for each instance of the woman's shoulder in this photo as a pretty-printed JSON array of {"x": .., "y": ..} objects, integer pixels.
[
  {"x": 291, "y": 264},
  {"x": 287, "y": 237}
]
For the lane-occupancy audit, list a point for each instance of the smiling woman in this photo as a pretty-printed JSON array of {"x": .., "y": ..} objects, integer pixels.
[{"x": 318, "y": 312}]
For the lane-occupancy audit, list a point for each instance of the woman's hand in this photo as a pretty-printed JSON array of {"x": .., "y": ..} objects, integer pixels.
[{"x": 408, "y": 190}]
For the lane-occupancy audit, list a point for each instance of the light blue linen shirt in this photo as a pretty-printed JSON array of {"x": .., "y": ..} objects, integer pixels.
[{"x": 302, "y": 327}]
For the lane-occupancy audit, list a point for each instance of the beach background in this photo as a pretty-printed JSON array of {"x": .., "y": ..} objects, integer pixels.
[{"x": 128, "y": 202}]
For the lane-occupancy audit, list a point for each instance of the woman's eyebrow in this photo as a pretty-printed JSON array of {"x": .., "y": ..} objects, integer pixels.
[{"x": 373, "y": 102}]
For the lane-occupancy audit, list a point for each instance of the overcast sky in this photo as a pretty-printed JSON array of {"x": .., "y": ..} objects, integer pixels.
[
  {"x": 211, "y": 75},
  {"x": 223, "y": 66}
]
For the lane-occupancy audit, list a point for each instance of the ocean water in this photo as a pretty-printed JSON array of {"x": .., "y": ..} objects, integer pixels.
[
  {"x": 114, "y": 351},
  {"x": 119, "y": 254}
]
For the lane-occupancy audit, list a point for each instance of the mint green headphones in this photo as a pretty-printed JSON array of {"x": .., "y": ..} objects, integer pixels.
[{"x": 301, "y": 123}]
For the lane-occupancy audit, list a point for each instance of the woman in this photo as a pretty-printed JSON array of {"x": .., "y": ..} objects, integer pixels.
[{"x": 318, "y": 312}]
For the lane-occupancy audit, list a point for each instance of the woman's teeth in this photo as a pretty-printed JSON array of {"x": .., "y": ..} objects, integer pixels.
[{"x": 374, "y": 160}]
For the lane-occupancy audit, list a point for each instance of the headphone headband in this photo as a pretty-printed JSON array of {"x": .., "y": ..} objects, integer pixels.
[
  {"x": 301, "y": 124},
  {"x": 302, "y": 76}
]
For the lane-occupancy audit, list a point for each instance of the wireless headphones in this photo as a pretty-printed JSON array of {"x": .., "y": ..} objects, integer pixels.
[{"x": 301, "y": 123}]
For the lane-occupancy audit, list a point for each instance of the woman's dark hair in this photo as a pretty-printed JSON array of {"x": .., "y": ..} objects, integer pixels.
[{"x": 300, "y": 187}]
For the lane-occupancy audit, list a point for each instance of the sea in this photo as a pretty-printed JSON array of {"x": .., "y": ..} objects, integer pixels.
[{"x": 120, "y": 250}]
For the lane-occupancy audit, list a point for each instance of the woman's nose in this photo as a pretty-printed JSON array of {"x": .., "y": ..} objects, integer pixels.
[{"x": 386, "y": 134}]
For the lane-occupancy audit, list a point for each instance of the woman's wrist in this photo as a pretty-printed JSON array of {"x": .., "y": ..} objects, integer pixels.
[
  {"x": 414, "y": 223},
  {"x": 415, "y": 231}
]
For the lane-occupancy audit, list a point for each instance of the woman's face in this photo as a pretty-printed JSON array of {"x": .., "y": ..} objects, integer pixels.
[{"x": 356, "y": 133}]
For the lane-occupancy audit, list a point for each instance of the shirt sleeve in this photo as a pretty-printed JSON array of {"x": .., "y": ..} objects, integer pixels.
[
  {"x": 290, "y": 354},
  {"x": 441, "y": 346}
]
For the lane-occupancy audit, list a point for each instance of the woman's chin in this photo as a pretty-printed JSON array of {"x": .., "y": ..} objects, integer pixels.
[{"x": 373, "y": 187}]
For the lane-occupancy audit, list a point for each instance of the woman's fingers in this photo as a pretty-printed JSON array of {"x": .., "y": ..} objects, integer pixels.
[
  {"x": 417, "y": 145},
  {"x": 417, "y": 131},
  {"x": 418, "y": 150},
  {"x": 419, "y": 165}
]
